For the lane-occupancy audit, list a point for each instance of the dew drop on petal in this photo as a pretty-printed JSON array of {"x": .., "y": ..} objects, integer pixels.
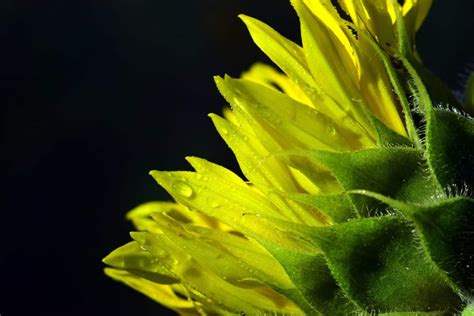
[
  {"x": 214, "y": 204},
  {"x": 224, "y": 131},
  {"x": 331, "y": 130},
  {"x": 183, "y": 189}
]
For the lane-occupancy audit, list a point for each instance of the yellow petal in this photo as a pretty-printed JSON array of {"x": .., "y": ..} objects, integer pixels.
[
  {"x": 160, "y": 293},
  {"x": 415, "y": 12},
  {"x": 375, "y": 86},
  {"x": 271, "y": 78},
  {"x": 291, "y": 59},
  {"x": 283, "y": 52},
  {"x": 255, "y": 161},
  {"x": 290, "y": 123},
  {"x": 201, "y": 271},
  {"x": 376, "y": 17},
  {"x": 332, "y": 67},
  {"x": 229, "y": 203},
  {"x": 233, "y": 258},
  {"x": 328, "y": 15}
]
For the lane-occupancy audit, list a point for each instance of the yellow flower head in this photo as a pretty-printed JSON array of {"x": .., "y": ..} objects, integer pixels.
[{"x": 323, "y": 143}]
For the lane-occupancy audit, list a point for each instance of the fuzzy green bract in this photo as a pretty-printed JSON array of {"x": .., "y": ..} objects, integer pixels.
[{"x": 357, "y": 188}]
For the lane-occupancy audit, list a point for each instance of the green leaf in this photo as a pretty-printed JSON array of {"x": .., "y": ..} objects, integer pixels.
[
  {"x": 450, "y": 149},
  {"x": 394, "y": 172},
  {"x": 378, "y": 265}
]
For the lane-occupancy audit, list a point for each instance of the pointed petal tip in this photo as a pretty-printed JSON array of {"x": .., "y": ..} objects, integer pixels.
[
  {"x": 190, "y": 158},
  {"x": 244, "y": 17},
  {"x": 194, "y": 159},
  {"x": 113, "y": 258},
  {"x": 295, "y": 3},
  {"x": 158, "y": 176},
  {"x": 249, "y": 21},
  {"x": 109, "y": 272},
  {"x": 138, "y": 237},
  {"x": 106, "y": 259},
  {"x": 214, "y": 117},
  {"x": 220, "y": 81}
]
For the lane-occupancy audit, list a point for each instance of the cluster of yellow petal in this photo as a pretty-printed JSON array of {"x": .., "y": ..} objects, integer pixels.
[
  {"x": 202, "y": 255},
  {"x": 193, "y": 264},
  {"x": 379, "y": 18}
]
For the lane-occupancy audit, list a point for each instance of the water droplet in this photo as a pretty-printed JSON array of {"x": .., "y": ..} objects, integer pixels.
[
  {"x": 331, "y": 130},
  {"x": 183, "y": 189},
  {"x": 225, "y": 131},
  {"x": 214, "y": 204}
]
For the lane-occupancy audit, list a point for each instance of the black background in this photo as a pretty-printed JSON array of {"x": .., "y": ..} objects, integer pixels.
[{"x": 94, "y": 94}]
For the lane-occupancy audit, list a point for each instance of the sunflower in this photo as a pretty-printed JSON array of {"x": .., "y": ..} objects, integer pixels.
[{"x": 358, "y": 170}]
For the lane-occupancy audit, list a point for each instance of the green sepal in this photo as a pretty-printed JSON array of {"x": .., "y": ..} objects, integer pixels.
[
  {"x": 337, "y": 206},
  {"x": 406, "y": 44},
  {"x": 426, "y": 89},
  {"x": 438, "y": 91},
  {"x": 446, "y": 230},
  {"x": 395, "y": 172},
  {"x": 316, "y": 290},
  {"x": 386, "y": 136},
  {"x": 450, "y": 149},
  {"x": 378, "y": 265}
]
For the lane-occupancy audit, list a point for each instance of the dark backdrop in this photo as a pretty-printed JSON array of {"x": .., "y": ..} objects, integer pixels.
[{"x": 94, "y": 94}]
